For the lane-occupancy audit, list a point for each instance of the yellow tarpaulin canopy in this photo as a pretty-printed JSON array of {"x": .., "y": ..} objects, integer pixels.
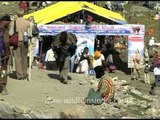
[{"x": 62, "y": 9}]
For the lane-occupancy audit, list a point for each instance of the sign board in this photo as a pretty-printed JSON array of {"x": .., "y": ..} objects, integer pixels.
[
  {"x": 135, "y": 42},
  {"x": 135, "y": 32},
  {"x": 95, "y": 29}
]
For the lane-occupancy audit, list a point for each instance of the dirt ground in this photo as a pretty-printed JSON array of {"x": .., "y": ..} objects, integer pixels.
[
  {"x": 44, "y": 84},
  {"x": 44, "y": 92}
]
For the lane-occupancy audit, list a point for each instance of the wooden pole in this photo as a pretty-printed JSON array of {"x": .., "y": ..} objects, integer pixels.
[{"x": 30, "y": 62}]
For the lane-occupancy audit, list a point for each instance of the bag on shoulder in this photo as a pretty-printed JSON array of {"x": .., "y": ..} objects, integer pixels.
[
  {"x": 35, "y": 31},
  {"x": 14, "y": 38}
]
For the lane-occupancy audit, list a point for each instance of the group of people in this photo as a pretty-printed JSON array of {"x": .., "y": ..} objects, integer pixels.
[
  {"x": 61, "y": 55},
  {"x": 19, "y": 51},
  {"x": 63, "y": 51},
  {"x": 151, "y": 63}
]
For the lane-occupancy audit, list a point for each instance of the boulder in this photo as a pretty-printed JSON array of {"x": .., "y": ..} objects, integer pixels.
[{"x": 74, "y": 112}]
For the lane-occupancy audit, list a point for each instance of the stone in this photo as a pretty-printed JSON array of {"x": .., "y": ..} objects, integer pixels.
[
  {"x": 18, "y": 109},
  {"x": 8, "y": 111},
  {"x": 74, "y": 112},
  {"x": 5, "y": 3}
]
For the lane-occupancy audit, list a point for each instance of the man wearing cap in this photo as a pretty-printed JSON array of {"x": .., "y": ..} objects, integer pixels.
[
  {"x": 4, "y": 23},
  {"x": 20, "y": 51}
]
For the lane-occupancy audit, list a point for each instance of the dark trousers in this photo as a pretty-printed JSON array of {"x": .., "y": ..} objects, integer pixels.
[
  {"x": 20, "y": 54},
  {"x": 51, "y": 65},
  {"x": 64, "y": 68},
  {"x": 157, "y": 80}
]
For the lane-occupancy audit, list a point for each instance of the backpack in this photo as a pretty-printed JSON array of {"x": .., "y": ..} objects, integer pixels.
[{"x": 35, "y": 31}]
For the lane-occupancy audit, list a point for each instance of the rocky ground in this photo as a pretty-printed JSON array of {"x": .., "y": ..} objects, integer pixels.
[{"x": 44, "y": 96}]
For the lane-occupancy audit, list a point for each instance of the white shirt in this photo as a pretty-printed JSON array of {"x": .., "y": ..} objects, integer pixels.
[
  {"x": 156, "y": 71},
  {"x": 84, "y": 67},
  {"x": 151, "y": 42},
  {"x": 50, "y": 56},
  {"x": 97, "y": 62}
]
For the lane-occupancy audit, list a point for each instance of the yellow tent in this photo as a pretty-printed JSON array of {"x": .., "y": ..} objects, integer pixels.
[{"x": 62, "y": 9}]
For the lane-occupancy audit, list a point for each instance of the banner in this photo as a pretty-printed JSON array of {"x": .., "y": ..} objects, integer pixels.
[
  {"x": 84, "y": 40},
  {"x": 135, "y": 43},
  {"x": 95, "y": 29}
]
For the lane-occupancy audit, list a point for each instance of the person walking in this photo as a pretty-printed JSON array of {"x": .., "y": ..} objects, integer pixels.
[
  {"x": 64, "y": 51},
  {"x": 20, "y": 51}
]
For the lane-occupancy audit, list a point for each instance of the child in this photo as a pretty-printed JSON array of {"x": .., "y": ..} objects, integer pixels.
[{"x": 84, "y": 62}]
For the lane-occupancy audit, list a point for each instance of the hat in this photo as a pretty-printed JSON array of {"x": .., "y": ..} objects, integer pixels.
[
  {"x": 152, "y": 37},
  {"x": 97, "y": 54},
  {"x": 5, "y": 18}
]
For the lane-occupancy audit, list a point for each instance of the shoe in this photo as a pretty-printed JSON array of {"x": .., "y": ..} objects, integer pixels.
[
  {"x": 61, "y": 80},
  {"x": 4, "y": 92},
  {"x": 65, "y": 82},
  {"x": 69, "y": 77},
  {"x": 21, "y": 78}
]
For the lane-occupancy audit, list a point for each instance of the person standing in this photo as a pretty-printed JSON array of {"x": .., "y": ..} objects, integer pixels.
[
  {"x": 98, "y": 58},
  {"x": 136, "y": 65},
  {"x": 151, "y": 41},
  {"x": 33, "y": 34},
  {"x": 50, "y": 60},
  {"x": 84, "y": 62},
  {"x": 156, "y": 84},
  {"x": 20, "y": 51},
  {"x": 156, "y": 71},
  {"x": 146, "y": 72},
  {"x": 4, "y": 51}
]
